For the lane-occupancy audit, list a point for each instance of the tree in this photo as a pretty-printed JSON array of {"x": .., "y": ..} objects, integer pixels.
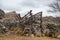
[{"x": 55, "y": 6}]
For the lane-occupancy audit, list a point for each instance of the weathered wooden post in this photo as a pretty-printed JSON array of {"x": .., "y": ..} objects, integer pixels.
[
  {"x": 41, "y": 19},
  {"x": 31, "y": 17},
  {"x": 28, "y": 22},
  {"x": 31, "y": 24},
  {"x": 41, "y": 24}
]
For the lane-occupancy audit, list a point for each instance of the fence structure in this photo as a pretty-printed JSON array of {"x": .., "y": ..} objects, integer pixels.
[{"x": 32, "y": 22}]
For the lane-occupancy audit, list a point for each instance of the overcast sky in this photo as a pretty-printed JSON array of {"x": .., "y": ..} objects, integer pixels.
[{"x": 23, "y": 6}]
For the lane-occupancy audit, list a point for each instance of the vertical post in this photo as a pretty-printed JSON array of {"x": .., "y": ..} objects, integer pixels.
[
  {"x": 19, "y": 17},
  {"x": 30, "y": 17},
  {"x": 41, "y": 19},
  {"x": 41, "y": 23}
]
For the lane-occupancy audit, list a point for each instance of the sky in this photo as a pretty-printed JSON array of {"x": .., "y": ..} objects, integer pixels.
[{"x": 23, "y": 6}]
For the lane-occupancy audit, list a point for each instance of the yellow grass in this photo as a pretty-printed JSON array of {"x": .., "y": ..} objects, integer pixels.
[{"x": 17, "y": 37}]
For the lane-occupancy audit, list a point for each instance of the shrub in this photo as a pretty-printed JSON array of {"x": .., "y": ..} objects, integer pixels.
[
  {"x": 38, "y": 34},
  {"x": 2, "y": 13}
]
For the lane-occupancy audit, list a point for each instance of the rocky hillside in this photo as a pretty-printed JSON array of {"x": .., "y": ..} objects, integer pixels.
[
  {"x": 51, "y": 20},
  {"x": 11, "y": 21}
]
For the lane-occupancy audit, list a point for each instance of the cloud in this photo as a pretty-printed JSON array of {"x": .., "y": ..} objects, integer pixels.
[
  {"x": 35, "y": 3},
  {"x": 10, "y": 5},
  {"x": 0, "y": 4},
  {"x": 23, "y": 6},
  {"x": 28, "y": 3}
]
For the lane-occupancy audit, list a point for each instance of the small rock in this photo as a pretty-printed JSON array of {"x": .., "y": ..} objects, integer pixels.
[
  {"x": 32, "y": 35},
  {"x": 58, "y": 36}
]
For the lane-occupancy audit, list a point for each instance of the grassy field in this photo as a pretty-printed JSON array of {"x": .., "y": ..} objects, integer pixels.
[{"x": 16, "y": 37}]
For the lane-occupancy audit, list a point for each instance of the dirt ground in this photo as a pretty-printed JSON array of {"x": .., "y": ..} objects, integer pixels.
[{"x": 16, "y": 37}]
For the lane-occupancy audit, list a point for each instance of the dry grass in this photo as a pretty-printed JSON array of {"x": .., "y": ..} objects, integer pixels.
[{"x": 16, "y": 37}]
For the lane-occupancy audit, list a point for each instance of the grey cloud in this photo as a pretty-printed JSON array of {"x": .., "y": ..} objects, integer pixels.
[
  {"x": 29, "y": 3},
  {"x": 26, "y": 4},
  {"x": 0, "y": 5},
  {"x": 34, "y": 3},
  {"x": 11, "y": 8}
]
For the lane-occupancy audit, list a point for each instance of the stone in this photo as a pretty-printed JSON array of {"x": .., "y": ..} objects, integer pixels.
[{"x": 58, "y": 36}]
